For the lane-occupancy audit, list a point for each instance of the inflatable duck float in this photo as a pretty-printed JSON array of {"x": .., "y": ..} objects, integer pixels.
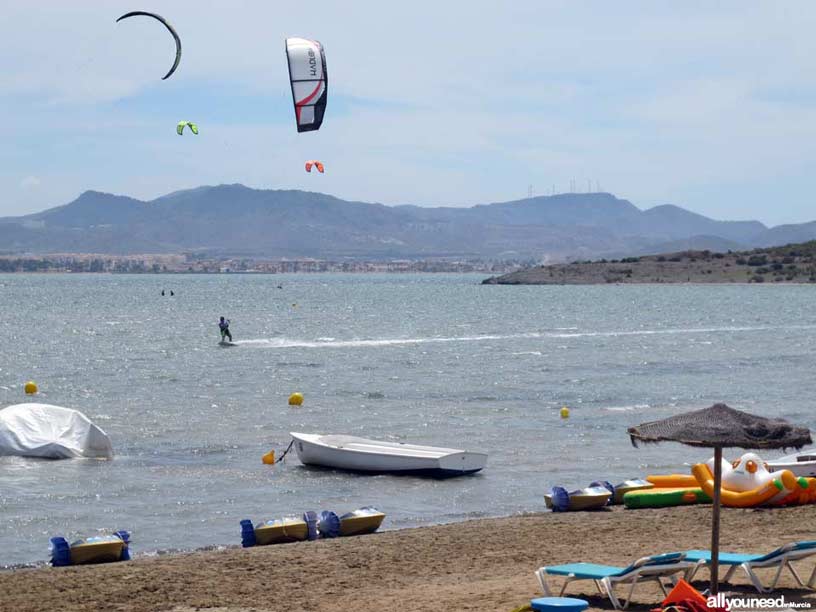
[{"x": 746, "y": 482}]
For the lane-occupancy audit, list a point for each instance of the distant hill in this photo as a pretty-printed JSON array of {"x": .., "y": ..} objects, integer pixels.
[
  {"x": 234, "y": 220},
  {"x": 792, "y": 263},
  {"x": 782, "y": 234},
  {"x": 694, "y": 243},
  {"x": 678, "y": 223}
]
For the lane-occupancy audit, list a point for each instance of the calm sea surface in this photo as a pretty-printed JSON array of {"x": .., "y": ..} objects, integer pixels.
[{"x": 431, "y": 359}]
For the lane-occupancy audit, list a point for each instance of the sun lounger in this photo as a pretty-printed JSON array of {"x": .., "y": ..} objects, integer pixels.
[
  {"x": 606, "y": 577},
  {"x": 780, "y": 559}
]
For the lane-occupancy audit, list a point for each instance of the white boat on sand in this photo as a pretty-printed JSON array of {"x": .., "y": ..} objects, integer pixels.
[
  {"x": 801, "y": 464},
  {"x": 362, "y": 455}
]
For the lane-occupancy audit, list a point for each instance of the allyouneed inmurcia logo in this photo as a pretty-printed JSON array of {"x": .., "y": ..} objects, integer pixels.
[{"x": 756, "y": 603}]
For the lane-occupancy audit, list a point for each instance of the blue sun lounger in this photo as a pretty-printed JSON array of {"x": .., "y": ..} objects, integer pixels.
[
  {"x": 606, "y": 577},
  {"x": 780, "y": 558}
]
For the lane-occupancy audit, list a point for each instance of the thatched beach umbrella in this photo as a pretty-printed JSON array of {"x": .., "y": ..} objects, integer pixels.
[{"x": 721, "y": 427}]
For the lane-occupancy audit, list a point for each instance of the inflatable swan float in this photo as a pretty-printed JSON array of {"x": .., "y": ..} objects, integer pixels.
[{"x": 746, "y": 482}]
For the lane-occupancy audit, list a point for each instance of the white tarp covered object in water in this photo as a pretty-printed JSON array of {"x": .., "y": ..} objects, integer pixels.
[
  {"x": 307, "y": 73},
  {"x": 51, "y": 432}
]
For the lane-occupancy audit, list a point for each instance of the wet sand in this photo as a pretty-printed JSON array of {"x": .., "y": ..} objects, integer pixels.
[{"x": 483, "y": 565}]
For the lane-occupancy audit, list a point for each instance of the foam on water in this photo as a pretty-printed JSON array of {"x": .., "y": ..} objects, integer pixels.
[
  {"x": 376, "y": 342},
  {"x": 626, "y": 408}
]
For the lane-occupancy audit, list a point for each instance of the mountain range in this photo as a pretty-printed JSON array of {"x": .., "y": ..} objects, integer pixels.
[{"x": 237, "y": 221}]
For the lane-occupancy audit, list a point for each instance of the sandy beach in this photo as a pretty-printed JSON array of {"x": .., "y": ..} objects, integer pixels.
[{"x": 482, "y": 565}]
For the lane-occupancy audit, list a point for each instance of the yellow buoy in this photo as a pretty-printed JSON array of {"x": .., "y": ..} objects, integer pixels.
[
  {"x": 564, "y": 412},
  {"x": 296, "y": 399},
  {"x": 269, "y": 458},
  {"x": 30, "y": 387}
]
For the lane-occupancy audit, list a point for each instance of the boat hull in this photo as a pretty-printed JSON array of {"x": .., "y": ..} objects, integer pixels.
[
  {"x": 628, "y": 487},
  {"x": 803, "y": 464},
  {"x": 372, "y": 457},
  {"x": 96, "y": 552},
  {"x": 351, "y": 525},
  {"x": 582, "y": 501},
  {"x": 282, "y": 531}
]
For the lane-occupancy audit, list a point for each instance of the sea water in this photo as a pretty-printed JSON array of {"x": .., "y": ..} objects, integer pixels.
[{"x": 427, "y": 359}]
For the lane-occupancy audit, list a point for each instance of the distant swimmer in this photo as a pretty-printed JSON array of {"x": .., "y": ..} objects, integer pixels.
[
  {"x": 171, "y": 292},
  {"x": 162, "y": 292},
  {"x": 223, "y": 325}
]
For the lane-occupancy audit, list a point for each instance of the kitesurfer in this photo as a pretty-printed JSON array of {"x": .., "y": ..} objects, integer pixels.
[{"x": 223, "y": 325}]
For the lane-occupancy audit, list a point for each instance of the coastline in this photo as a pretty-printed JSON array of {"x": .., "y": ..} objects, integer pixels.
[
  {"x": 793, "y": 263},
  {"x": 483, "y": 564}
]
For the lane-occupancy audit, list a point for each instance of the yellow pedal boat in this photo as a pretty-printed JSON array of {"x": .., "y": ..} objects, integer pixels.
[
  {"x": 589, "y": 498},
  {"x": 97, "y": 549},
  {"x": 363, "y": 520},
  {"x": 279, "y": 531}
]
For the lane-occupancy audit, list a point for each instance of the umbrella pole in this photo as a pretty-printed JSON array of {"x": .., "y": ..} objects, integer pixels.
[{"x": 715, "y": 521}]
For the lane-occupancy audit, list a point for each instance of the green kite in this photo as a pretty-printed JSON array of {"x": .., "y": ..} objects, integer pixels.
[{"x": 181, "y": 125}]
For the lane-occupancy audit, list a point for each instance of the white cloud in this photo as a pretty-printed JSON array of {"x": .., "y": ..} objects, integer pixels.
[{"x": 30, "y": 182}]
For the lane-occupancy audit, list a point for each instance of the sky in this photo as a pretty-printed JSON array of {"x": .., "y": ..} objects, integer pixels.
[{"x": 710, "y": 106}]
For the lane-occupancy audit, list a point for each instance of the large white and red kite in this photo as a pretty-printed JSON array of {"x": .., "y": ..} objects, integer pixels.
[{"x": 307, "y": 73}]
